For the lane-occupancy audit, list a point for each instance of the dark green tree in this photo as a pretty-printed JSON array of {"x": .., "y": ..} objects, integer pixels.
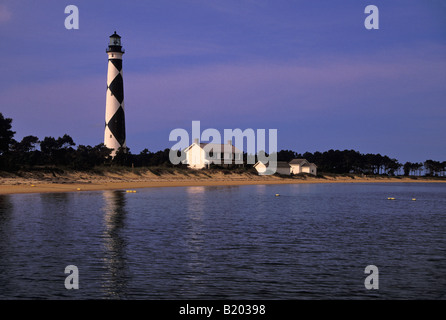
[
  {"x": 286, "y": 155},
  {"x": 24, "y": 153},
  {"x": 87, "y": 157},
  {"x": 57, "y": 151},
  {"x": 122, "y": 157},
  {"x": 27, "y": 144},
  {"x": 407, "y": 168},
  {"x": 6, "y": 134}
]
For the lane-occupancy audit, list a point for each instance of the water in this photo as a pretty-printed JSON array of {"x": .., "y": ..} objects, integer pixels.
[{"x": 240, "y": 242}]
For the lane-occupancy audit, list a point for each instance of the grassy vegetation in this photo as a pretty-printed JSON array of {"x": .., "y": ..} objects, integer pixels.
[{"x": 65, "y": 174}]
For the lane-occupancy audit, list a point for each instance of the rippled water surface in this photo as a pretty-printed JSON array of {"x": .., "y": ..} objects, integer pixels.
[{"x": 241, "y": 242}]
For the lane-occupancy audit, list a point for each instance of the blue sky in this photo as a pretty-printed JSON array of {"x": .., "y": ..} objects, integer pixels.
[{"x": 309, "y": 69}]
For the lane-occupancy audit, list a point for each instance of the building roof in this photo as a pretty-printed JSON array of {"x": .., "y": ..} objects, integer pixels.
[
  {"x": 309, "y": 165},
  {"x": 217, "y": 147},
  {"x": 115, "y": 35},
  {"x": 298, "y": 161},
  {"x": 282, "y": 164},
  {"x": 279, "y": 164}
]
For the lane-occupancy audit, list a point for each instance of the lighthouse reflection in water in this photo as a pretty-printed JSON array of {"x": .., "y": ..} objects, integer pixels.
[{"x": 117, "y": 275}]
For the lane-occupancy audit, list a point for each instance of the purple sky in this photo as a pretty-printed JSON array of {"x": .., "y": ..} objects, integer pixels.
[{"x": 307, "y": 68}]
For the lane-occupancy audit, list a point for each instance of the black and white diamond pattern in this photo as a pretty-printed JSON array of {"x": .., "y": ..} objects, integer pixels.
[
  {"x": 115, "y": 117},
  {"x": 117, "y": 63},
  {"x": 117, "y": 88},
  {"x": 117, "y": 126}
]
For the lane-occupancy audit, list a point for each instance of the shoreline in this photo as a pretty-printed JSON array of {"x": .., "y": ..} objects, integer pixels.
[{"x": 79, "y": 181}]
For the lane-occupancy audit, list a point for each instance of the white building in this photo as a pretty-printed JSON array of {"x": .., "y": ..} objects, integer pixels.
[
  {"x": 302, "y": 166},
  {"x": 295, "y": 166},
  {"x": 282, "y": 167},
  {"x": 202, "y": 155},
  {"x": 261, "y": 168}
]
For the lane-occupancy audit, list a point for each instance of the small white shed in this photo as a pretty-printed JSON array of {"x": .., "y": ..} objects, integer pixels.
[{"x": 302, "y": 166}]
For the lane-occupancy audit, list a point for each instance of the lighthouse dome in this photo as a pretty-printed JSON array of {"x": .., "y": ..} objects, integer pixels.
[
  {"x": 115, "y": 35},
  {"x": 115, "y": 43}
]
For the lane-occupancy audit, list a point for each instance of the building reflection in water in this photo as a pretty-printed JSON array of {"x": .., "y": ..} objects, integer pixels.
[
  {"x": 201, "y": 241},
  {"x": 117, "y": 275},
  {"x": 194, "y": 233}
]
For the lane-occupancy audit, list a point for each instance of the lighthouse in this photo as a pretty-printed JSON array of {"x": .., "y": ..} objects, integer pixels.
[{"x": 114, "y": 136}]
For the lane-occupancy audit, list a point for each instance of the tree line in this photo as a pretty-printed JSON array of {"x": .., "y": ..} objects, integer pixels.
[
  {"x": 32, "y": 152},
  {"x": 351, "y": 161}
]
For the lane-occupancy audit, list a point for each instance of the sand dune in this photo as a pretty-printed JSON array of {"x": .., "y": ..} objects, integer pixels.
[{"x": 36, "y": 182}]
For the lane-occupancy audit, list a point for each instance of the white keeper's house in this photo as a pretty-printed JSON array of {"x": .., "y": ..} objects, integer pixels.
[{"x": 203, "y": 155}]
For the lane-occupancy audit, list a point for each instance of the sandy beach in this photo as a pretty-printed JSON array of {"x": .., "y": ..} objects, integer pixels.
[{"x": 81, "y": 181}]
